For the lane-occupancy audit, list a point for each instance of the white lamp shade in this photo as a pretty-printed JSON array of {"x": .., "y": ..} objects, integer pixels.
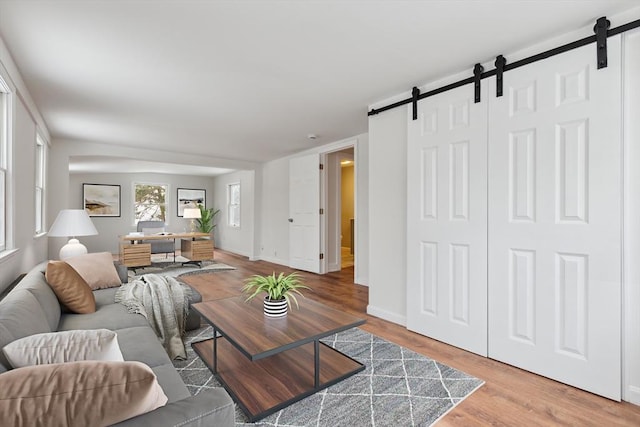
[
  {"x": 71, "y": 223},
  {"x": 192, "y": 213}
]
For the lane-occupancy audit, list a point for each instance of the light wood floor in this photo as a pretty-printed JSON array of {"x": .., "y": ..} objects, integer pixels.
[
  {"x": 509, "y": 397},
  {"x": 346, "y": 257}
]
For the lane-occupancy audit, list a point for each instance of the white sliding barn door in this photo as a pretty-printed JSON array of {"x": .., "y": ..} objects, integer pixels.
[
  {"x": 304, "y": 213},
  {"x": 554, "y": 220},
  {"x": 447, "y": 220}
]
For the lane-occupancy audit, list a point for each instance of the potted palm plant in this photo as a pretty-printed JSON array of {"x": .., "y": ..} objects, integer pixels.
[
  {"x": 205, "y": 222},
  {"x": 280, "y": 290}
]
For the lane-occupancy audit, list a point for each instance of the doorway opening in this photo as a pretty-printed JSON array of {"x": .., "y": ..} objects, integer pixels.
[{"x": 340, "y": 209}]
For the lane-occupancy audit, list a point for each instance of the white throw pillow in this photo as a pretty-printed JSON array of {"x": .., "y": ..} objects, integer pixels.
[{"x": 65, "y": 346}]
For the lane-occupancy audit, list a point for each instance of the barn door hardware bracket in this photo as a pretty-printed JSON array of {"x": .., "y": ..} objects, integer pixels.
[
  {"x": 477, "y": 76},
  {"x": 601, "y": 33},
  {"x": 500, "y": 63},
  {"x": 601, "y": 28},
  {"x": 415, "y": 95}
]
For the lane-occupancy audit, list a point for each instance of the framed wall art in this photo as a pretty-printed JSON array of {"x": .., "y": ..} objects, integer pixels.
[
  {"x": 190, "y": 198},
  {"x": 101, "y": 199}
]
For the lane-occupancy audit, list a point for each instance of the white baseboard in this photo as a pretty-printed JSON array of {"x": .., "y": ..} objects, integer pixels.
[
  {"x": 387, "y": 315},
  {"x": 232, "y": 250},
  {"x": 364, "y": 281},
  {"x": 273, "y": 260},
  {"x": 632, "y": 395}
]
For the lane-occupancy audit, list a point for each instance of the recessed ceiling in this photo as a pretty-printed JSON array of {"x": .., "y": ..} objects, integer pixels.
[{"x": 250, "y": 80}]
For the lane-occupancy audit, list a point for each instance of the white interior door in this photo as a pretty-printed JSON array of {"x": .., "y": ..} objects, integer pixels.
[
  {"x": 304, "y": 213},
  {"x": 554, "y": 220},
  {"x": 447, "y": 220}
]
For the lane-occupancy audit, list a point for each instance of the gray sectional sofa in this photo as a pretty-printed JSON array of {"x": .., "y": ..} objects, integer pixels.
[{"x": 32, "y": 308}]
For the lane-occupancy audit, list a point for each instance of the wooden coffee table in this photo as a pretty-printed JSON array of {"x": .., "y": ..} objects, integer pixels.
[{"x": 267, "y": 364}]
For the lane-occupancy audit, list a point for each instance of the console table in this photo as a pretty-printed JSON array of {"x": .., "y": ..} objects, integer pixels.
[{"x": 135, "y": 253}]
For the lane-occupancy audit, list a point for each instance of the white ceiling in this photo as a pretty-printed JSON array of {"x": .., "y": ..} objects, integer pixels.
[
  {"x": 112, "y": 164},
  {"x": 250, "y": 80}
]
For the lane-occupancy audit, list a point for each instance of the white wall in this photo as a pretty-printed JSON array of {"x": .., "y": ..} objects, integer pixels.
[
  {"x": 239, "y": 240},
  {"x": 28, "y": 248},
  {"x": 387, "y": 215},
  {"x": 109, "y": 228}
]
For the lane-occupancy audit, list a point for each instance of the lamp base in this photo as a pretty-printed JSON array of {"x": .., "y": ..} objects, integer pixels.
[{"x": 72, "y": 248}]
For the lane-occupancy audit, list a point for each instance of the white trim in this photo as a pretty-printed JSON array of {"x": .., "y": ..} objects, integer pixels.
[
  {"x": 387, "y": 315},
  {"x": 7, "y": 254},
  {"x": 272, "y": 260},
  {"x": 631, "y": 222},
  {"x": 40, "y": 170},
  {"x": 359, "y": 280},
  {"x": 7, "y": 146}
]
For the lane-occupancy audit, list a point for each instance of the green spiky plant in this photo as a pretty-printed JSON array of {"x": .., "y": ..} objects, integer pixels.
[
  {"x": 205, "y": 222},
  {"x": 276, "y": 287}
]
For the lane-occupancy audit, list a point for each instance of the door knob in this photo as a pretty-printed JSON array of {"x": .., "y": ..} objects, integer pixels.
[{"x": 290, "y": 219}]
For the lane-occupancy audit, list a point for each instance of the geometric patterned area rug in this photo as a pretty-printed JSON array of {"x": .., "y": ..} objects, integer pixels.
[
  {"x": 165, "y": 267},
  {"x": 398, "y": 387}
]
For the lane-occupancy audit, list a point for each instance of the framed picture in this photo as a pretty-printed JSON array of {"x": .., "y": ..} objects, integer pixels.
[
  {"x": 101, "y": 199},
  {"x": 190, "y": 198}
]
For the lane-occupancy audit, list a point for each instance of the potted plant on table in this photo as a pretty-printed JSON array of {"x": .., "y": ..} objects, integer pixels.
[{"x": 280, "y": 290}]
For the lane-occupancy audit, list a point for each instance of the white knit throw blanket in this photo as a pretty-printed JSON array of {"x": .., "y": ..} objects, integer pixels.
[{"x": 164, "y": 302}]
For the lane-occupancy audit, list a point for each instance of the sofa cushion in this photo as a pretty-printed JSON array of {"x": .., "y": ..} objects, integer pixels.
[
  {"x": 96, "y": 269},
  {"x": 20, "y": 316},
  {"x": 109, "y": 316},
  {"x": 78, "y": 393},
  {"x": 70, "y": 287},
  {"x": 171, "y": 382},
  {"x": 141, "y": 344},
  {"x": 65, "y": 346},
  {"x": 105, "y": 297},
  {"x": 35, "y": 282}
]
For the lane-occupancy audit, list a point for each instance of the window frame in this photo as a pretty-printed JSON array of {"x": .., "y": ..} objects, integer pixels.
[
  {"x": 167, "y": 200},
  {"x": 6, "y": 144},
  {"x": 233, "y": 207},
  {"x": 41, "y": 185}
]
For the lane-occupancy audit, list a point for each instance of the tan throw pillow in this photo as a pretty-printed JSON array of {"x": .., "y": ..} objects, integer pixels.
[
  {"x": 70, "y": 287},
  {"x": 96, "y": 269},
  {"x": 94, "y": 393},
  {"x": 65, "y": 346}
]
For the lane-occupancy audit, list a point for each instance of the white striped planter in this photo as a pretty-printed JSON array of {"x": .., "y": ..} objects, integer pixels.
[{"x": 275, "y": 308}]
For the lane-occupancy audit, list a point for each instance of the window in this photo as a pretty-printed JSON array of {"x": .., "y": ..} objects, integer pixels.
[
  {"x": 4, "y": 161},
  {"x": 150, "y": 203},
  {"x": 233, "y": 202},
  {"x": 41, "y": 177}
]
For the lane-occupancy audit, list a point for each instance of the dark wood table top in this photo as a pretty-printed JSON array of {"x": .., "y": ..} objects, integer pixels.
[{"x": 256, "y": 335}]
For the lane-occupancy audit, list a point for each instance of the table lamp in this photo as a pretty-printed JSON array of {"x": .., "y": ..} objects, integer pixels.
[
  {"x": 72, "y": 223},
  {"x": 192, "y": 214}
]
